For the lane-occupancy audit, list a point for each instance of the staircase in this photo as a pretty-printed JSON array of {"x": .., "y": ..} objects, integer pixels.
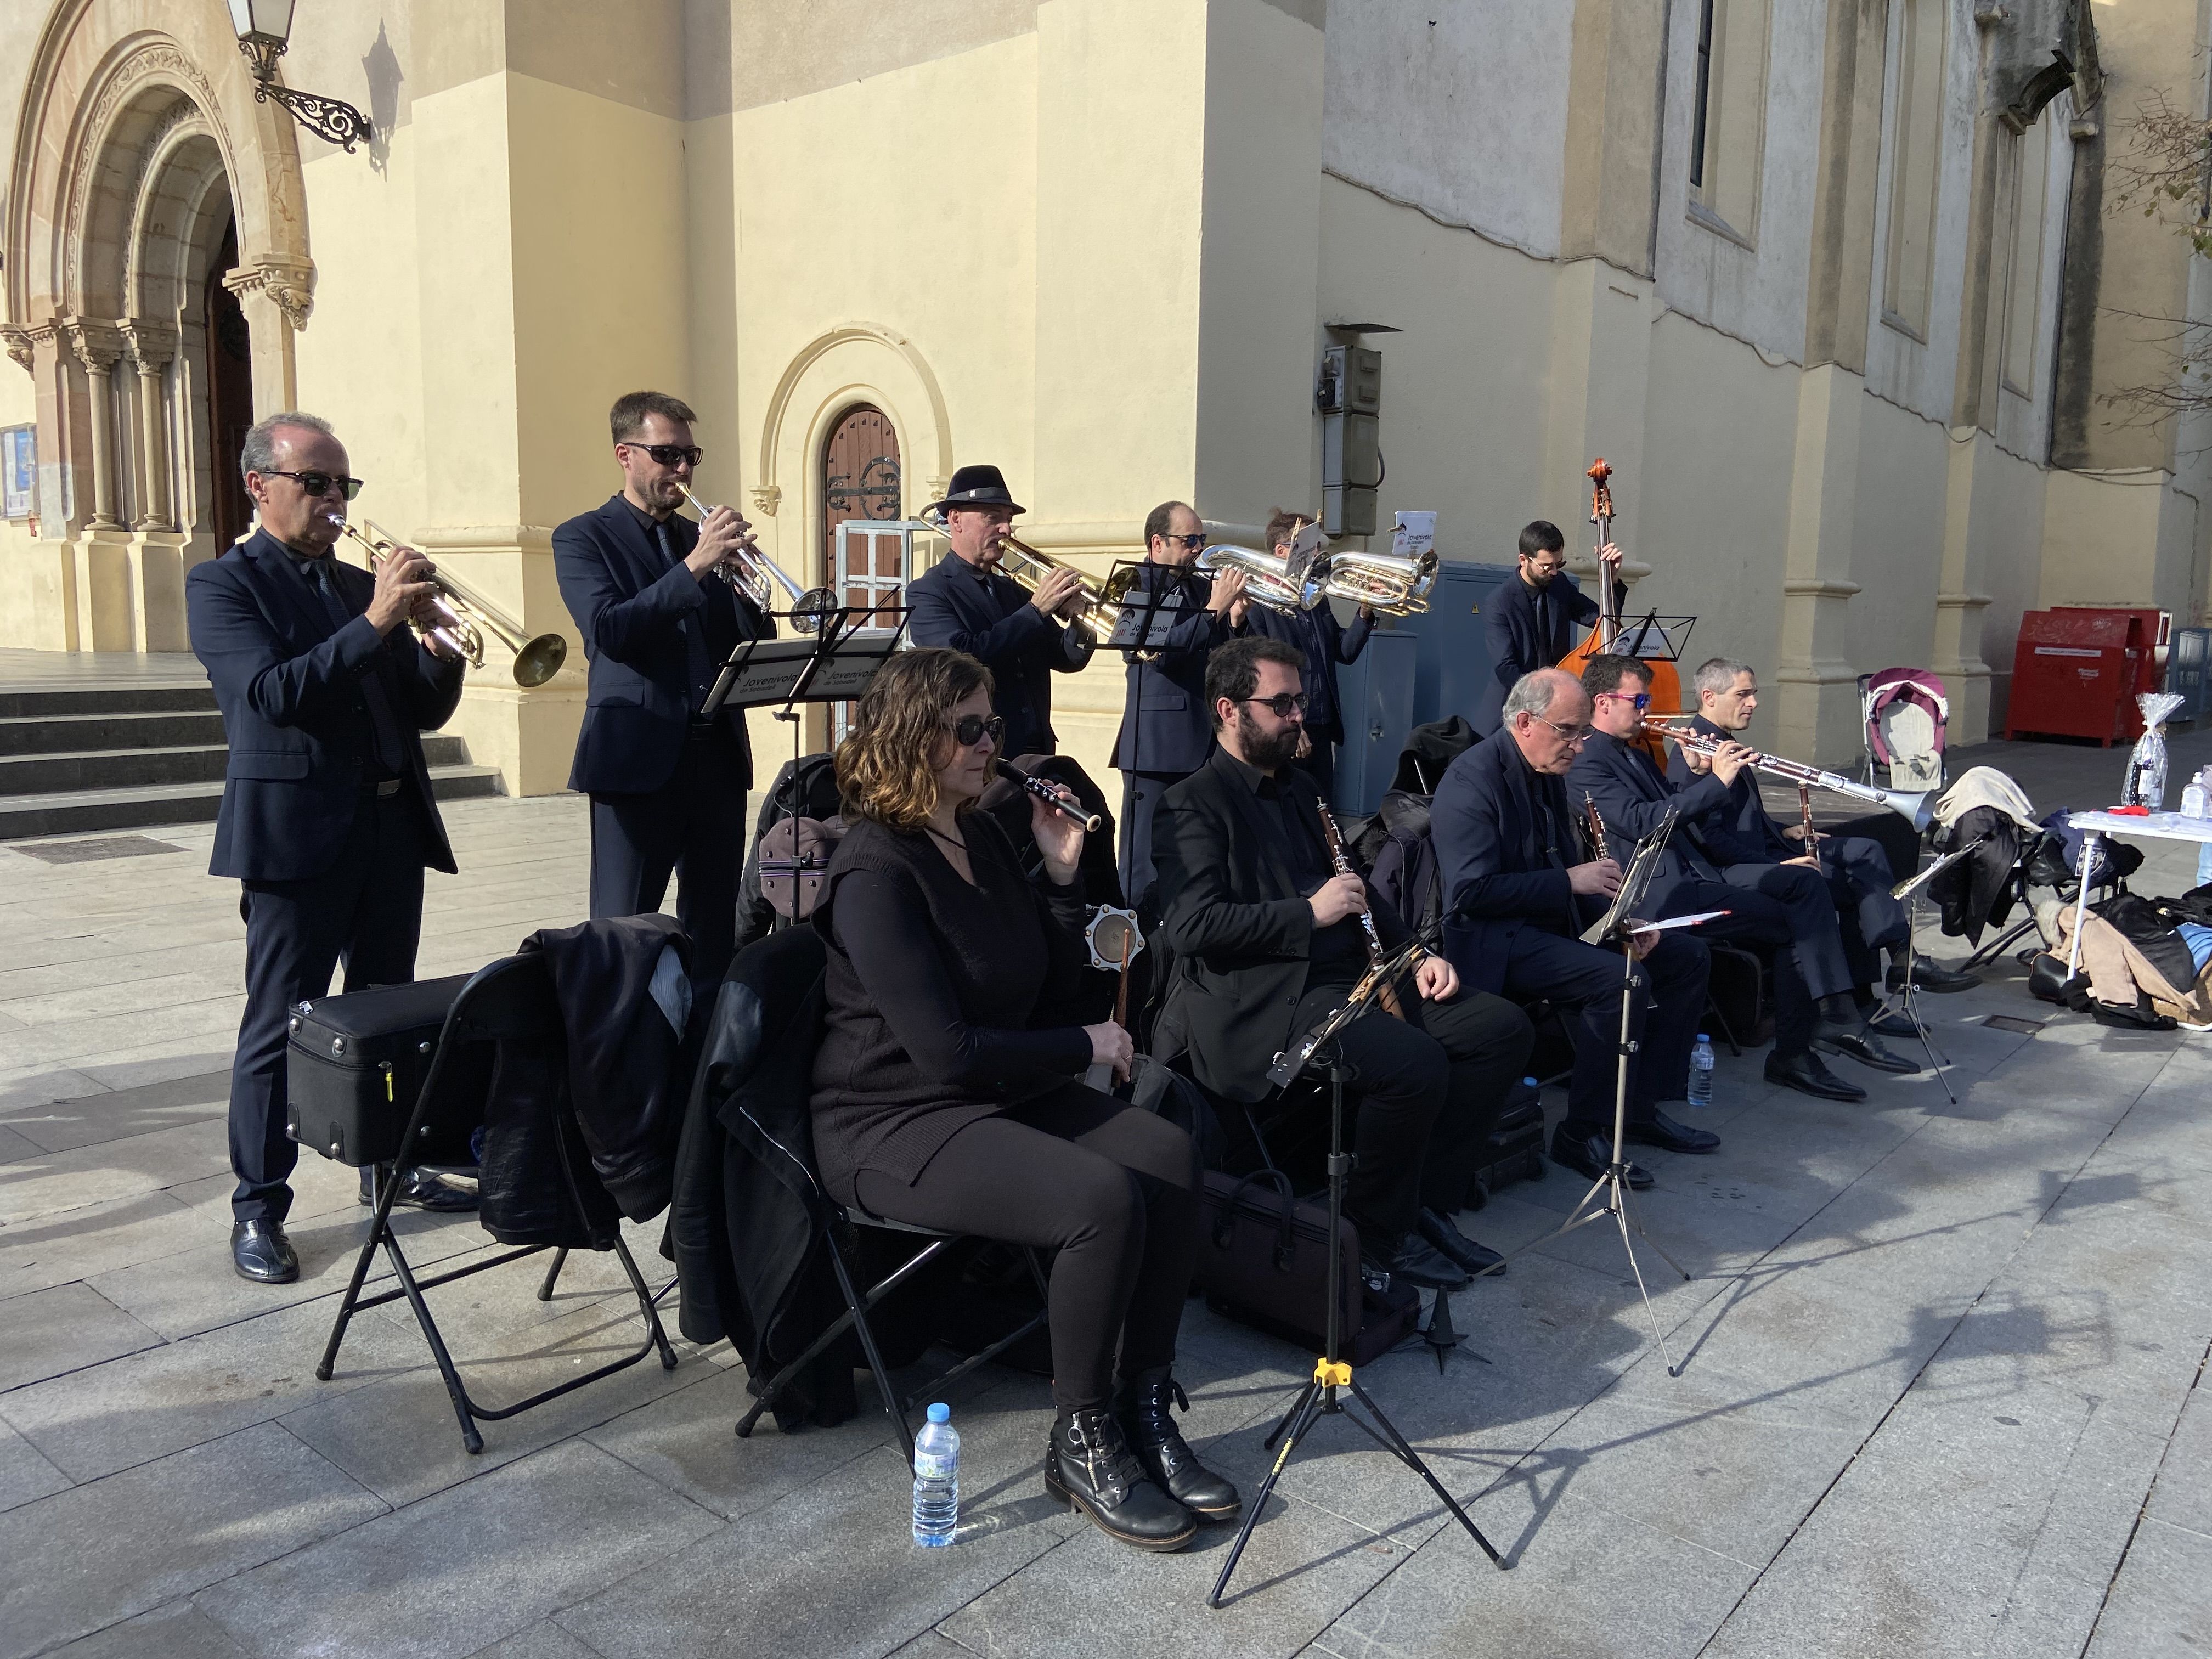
[{"x": 78, "y": 759}]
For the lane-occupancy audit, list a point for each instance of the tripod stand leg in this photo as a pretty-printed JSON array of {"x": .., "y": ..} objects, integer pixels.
[
  {"x": 1649, "y": 1312},
  {"x": 1386, "y": 1432},
  {"x": 1308, "y": 1407},
  {"x": 1630, "y": 1217},
  {"x": 1289, "y": 1416}
]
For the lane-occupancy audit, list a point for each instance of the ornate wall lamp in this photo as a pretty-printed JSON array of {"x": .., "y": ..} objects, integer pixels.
[{"x": 264, "y": 29}]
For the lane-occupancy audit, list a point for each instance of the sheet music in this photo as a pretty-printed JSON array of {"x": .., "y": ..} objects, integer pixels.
[{"x": 1635, "y": 882}]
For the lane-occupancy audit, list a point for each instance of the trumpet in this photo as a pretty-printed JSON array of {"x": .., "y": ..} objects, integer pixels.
[
  {"x": 1395, "y": 586},
  {"x": 1101, "y": 603},
  {"x": 760, "y": 579},
  {"x": 464, "y": 617},
  {"x": 1288, "y": 583},
  {"x": 1917, "y": 808}
]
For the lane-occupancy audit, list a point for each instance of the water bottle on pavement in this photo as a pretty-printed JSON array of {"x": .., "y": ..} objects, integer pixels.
[
  {"x": 936, "y": 1478},
  {"x": 1701, "y": 1073}
]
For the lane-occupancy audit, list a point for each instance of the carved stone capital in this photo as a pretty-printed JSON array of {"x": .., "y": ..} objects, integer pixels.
[
  {"x": 151, "y": 344},
  {"x": 767, "y": 498},
  {"x": 97, "y": 344},
  {"x": 290, "y": 283},
  {"x": 22, "y": 345}
]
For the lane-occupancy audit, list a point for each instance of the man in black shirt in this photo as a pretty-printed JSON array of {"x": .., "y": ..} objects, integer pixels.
[{"x": 1266, "y": 940}]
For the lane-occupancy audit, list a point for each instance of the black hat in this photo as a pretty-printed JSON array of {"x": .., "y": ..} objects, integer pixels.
[{"x": 977, "y": 486}]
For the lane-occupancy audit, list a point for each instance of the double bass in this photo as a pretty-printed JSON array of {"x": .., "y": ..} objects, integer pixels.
[{"x": 1666, "y": 683}]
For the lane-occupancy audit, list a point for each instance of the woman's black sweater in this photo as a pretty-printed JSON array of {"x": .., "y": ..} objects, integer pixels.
[{"x": 944, "y": 1002}]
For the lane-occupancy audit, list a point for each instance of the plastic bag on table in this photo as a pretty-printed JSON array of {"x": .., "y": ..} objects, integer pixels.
[{"x": 2146, "y": 783}]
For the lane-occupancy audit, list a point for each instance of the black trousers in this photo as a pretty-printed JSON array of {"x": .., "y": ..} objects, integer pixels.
[
  {"x": 1141, "y": 798},
  {"x": 693, "y": 825},
  {"x": 1113, "y": 1189},
  {"x": 366, "y": 911},
  {"x": 1788, "y": 906},
  {"x": 1584, "y": 981},
  {"x": 1429, "y": 1085},
  {"x": 1859, "y": 881}
]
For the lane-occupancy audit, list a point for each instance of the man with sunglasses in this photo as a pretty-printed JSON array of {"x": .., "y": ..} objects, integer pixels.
[
  {"x": 327, "y": 819},
  {"x": 1530, "y": 622},
  {"x": 966, "y": 602},
  {"x": 667, "y": 782},
  {"x": 1324, "y": 641},
  {"x": 1788, "y": 909},
  {"x": 1517, "y": 892},
  {"x": 1167, "y": 723},
  {"x": 1267, "y": 941}
]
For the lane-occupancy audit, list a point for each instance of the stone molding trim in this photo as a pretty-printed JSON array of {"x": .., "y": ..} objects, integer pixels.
[
  {"x": 857, "y": 333},
  {"x": 22, "y": 345},
  {"x": 150, "y": 345},
  {"x": 98, "y": 345},
  {"x": 290, "y": 283}
]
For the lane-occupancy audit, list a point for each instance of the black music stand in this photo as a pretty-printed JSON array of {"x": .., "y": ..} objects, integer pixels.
[
  {"x": 1320, "y": 1396},
  {"x": 1906, "y": 999}
]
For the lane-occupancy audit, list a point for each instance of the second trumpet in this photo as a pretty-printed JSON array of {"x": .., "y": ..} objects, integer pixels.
[{"x": 760, "y": 580}]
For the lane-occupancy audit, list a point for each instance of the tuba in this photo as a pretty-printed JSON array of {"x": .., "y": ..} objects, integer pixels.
[
  {"x": 464, "y": 617},
  {"x": 1287, "y": 584},
  {"x": 760, "y": 580},
  {"x": 1385, "y": 582}
]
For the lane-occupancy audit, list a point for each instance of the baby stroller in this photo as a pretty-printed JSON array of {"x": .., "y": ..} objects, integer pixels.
[{"x": 1906, "y": 714}]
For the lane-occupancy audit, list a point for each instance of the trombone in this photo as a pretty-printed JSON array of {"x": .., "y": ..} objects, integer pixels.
[
  {"x": 1918, "y": 808},
  {"x": 465, "y": 618},
  {"x": 1288, "y": 583},
  {"x": 760, "y": 579}
]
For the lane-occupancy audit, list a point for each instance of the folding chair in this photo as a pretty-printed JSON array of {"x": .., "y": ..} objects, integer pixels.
[{"x": 510, "y": 1000}]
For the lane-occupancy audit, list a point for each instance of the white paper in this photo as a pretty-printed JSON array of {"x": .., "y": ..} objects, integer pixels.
[{"x": 1678, "y": 921}]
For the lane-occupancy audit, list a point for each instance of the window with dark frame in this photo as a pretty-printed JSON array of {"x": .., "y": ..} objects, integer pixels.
[{"x": 1704, "y": 94}]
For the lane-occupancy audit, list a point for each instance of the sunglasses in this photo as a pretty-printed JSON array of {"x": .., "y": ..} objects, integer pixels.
[
  {"x": 1641, "y": 699},
  {"x": 669, "y": 454},
  {"x": 320, "y": 483},
  {"x": 1280, "y": 704},
  {"x": 969, "y": 730},
  {"x": 1193, "y": 542}
]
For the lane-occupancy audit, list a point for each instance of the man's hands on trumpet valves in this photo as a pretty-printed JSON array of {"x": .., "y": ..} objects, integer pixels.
[
  {"x": 723, "y": 536},
  {"x": 403, "y": 592},
  {"x": 1599, "y": 878},
  {"x": 1060, "y": 594}
]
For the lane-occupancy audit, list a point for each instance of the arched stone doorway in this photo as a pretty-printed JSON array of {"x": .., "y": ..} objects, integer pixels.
[{"x": 125, "y": 216}]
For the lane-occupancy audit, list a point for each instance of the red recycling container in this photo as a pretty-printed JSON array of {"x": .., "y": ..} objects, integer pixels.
[{"x": 2077, "y": 671}]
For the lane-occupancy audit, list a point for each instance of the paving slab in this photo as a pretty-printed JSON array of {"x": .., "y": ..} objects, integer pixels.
[
  {"x": 543, "y": 1640},
  {"x": 97, "y": 1239},
  {"x": 2160, "y": 1603},
  {"x": 63, "y": 1329},
  {"x": 91, "y": 1175},
  {"x": 25, "y": 1472},
  {"x": 180, "y": 1631},
  {"x": 117, "y": 1113}
]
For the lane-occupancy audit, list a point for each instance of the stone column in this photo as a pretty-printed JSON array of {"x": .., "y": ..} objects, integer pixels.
[
  {"x": 97, "y": 346},
  {"x": 152, "y": 346},
  {"x": 277, "y": 295}
]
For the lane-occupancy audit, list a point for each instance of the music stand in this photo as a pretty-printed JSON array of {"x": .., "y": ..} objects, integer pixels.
[
  {"x": 1655, "y": 638},
  {"x": 1320, "y": 1397},
  {"x": 1906, "y": 999},
  {"x": 1608, "y": 1194}
]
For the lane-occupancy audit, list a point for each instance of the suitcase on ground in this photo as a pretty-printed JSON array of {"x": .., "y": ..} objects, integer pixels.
[
  {"x": 1262, "y": 1260},
  {"x": 1513, "y": 1145},
  {"x": 355, "y": 1063}
]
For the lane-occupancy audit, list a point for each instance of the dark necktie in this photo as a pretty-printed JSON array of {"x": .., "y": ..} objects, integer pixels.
[
  {"x": 1548, "y": 647},
  {"x": 384, "y": 724},
  {"x": 694, "y": 627}
]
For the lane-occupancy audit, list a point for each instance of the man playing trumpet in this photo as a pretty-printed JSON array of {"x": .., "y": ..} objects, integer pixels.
[{"x": 667, "y": 782}]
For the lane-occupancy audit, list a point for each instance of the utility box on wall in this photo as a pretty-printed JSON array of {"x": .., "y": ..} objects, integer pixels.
[{"x": 1350, "y": 398}]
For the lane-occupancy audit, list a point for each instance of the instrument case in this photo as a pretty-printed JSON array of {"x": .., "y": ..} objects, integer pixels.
[
  {"x": 1513, "y": 1145},
  {"x": 355, "y": 1063},
  {"x": 1263, "y": 1261}
]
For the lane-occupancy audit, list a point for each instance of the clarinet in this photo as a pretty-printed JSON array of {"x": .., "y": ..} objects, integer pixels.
[{"x": 1375, "y": 955}]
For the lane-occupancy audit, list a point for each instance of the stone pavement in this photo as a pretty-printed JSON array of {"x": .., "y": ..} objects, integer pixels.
[{"x": 1941, "y": 1396}]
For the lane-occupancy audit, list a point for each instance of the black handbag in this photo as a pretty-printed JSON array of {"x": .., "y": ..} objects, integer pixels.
[
  {"x": 355, "y": 1064},
  {"x": 1263, "y": 1261}
]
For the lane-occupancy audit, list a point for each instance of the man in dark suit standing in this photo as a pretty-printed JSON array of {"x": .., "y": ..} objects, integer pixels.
[
  {"x": 1788, "y": 909},
  {"x": 1324, "y": 642},
  {"x": 1267, "y": 941},
  {"x": 667, "y": 782},
  {"x": 1516, "y": 896},
  {"x": 327, "y": 819},
  {"x": 967, "y": 603},
  {"x": 1167, "y": 726},
  {"x": 1532, "y": 620}
]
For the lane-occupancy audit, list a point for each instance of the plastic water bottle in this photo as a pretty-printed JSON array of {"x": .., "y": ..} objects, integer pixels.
[
  {"x": 2194, "y": 803},
  {"x": 936, "y": 1480},
  {"x": 1701, "y": 1072}
]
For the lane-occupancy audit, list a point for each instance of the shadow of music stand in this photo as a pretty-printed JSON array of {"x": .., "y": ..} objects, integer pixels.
[
  {"x": 1607, "y": 1197},
  {"x": 835, "y": 663}
]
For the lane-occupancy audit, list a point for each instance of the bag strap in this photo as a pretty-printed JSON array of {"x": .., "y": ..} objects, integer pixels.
[{"x": 1224, "y": 1223}]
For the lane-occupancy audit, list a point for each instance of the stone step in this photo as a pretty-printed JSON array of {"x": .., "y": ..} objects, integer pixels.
[
  {"x": 76, "y": 734},
  {"x": 18, "y": 702},
  {"x": 24, "y": 818},
  {"x": 134, "y": 769}
]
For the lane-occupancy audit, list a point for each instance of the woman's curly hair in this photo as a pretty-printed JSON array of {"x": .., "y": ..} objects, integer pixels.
[{"x": 887, "y": 766}]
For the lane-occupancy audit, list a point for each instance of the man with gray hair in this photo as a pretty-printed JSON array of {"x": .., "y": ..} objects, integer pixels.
[
  {"x": 1517, "y": 894},
  {"x": 327, "y": 818}
]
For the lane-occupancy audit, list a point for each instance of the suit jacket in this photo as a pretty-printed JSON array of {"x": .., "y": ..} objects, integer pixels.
[
  {"x": 1519, "y": 645},
  {"x": 1165, "y": 724},
  {"x": 1503, "y": 867},
  {"x": 1326, "y": 643},
  {"x": 1238, "y": 923},
  {"x": 290, "y": 686},
  {"x": 994, "y": 621},
  {"x": 1632, "y": 796},
  {"x": 634, "y": 610},
  {"x": 1735, "y": 830}
]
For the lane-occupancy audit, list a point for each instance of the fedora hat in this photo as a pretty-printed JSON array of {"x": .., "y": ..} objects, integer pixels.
[{"x": 977, "y": 486}]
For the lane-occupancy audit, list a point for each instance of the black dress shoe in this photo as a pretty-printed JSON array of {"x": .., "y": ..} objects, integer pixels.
[
  {"x": 1806, "y": 1074},
  {"x": 1930, "y": 976},
  {"x": 1589, "y": 1155},
  {"x": 1141, "y": 1403},
  {"x": 1417, "y": 1262},
  {"x": 1454, "y": 1246},
  {"x": 1664, "y": 1133},
  {"x": 259, "y": 1251},
  {"x": 418, "y": 1190},
  {"x": 1861, "y": 1045},
  {"x": 1088, "y": 1466}
]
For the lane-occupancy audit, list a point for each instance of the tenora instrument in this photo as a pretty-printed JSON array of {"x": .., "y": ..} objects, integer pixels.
[
  {"x": 1288, "y": 584},
  {"x": 465, "y": 618},
  {"x": 1918, "y": 808},
  {"x": 760, "y": 580}
]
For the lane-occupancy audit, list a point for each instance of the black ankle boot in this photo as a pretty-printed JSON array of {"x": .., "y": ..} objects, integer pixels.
[
  {"x": 1141, "y": 1405},
  {"x": 1088, "y": 1466}
]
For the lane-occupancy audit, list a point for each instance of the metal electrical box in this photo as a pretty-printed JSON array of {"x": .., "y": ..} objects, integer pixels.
[{"x": 1350, "y": 398}]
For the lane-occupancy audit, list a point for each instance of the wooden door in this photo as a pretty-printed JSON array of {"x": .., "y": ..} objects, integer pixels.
[
  {"x": 230, "y": 397},
  {"x": 860, "y": 481}
]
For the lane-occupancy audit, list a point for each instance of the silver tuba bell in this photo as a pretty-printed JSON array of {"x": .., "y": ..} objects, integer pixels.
[{"x": 1287, "y": 585}]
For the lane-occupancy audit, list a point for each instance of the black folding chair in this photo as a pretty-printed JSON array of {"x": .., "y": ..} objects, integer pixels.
[{"x": 510, "y": 1000}]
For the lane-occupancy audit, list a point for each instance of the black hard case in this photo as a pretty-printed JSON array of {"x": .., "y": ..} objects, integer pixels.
[{"x": 356, "y": 1062}]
